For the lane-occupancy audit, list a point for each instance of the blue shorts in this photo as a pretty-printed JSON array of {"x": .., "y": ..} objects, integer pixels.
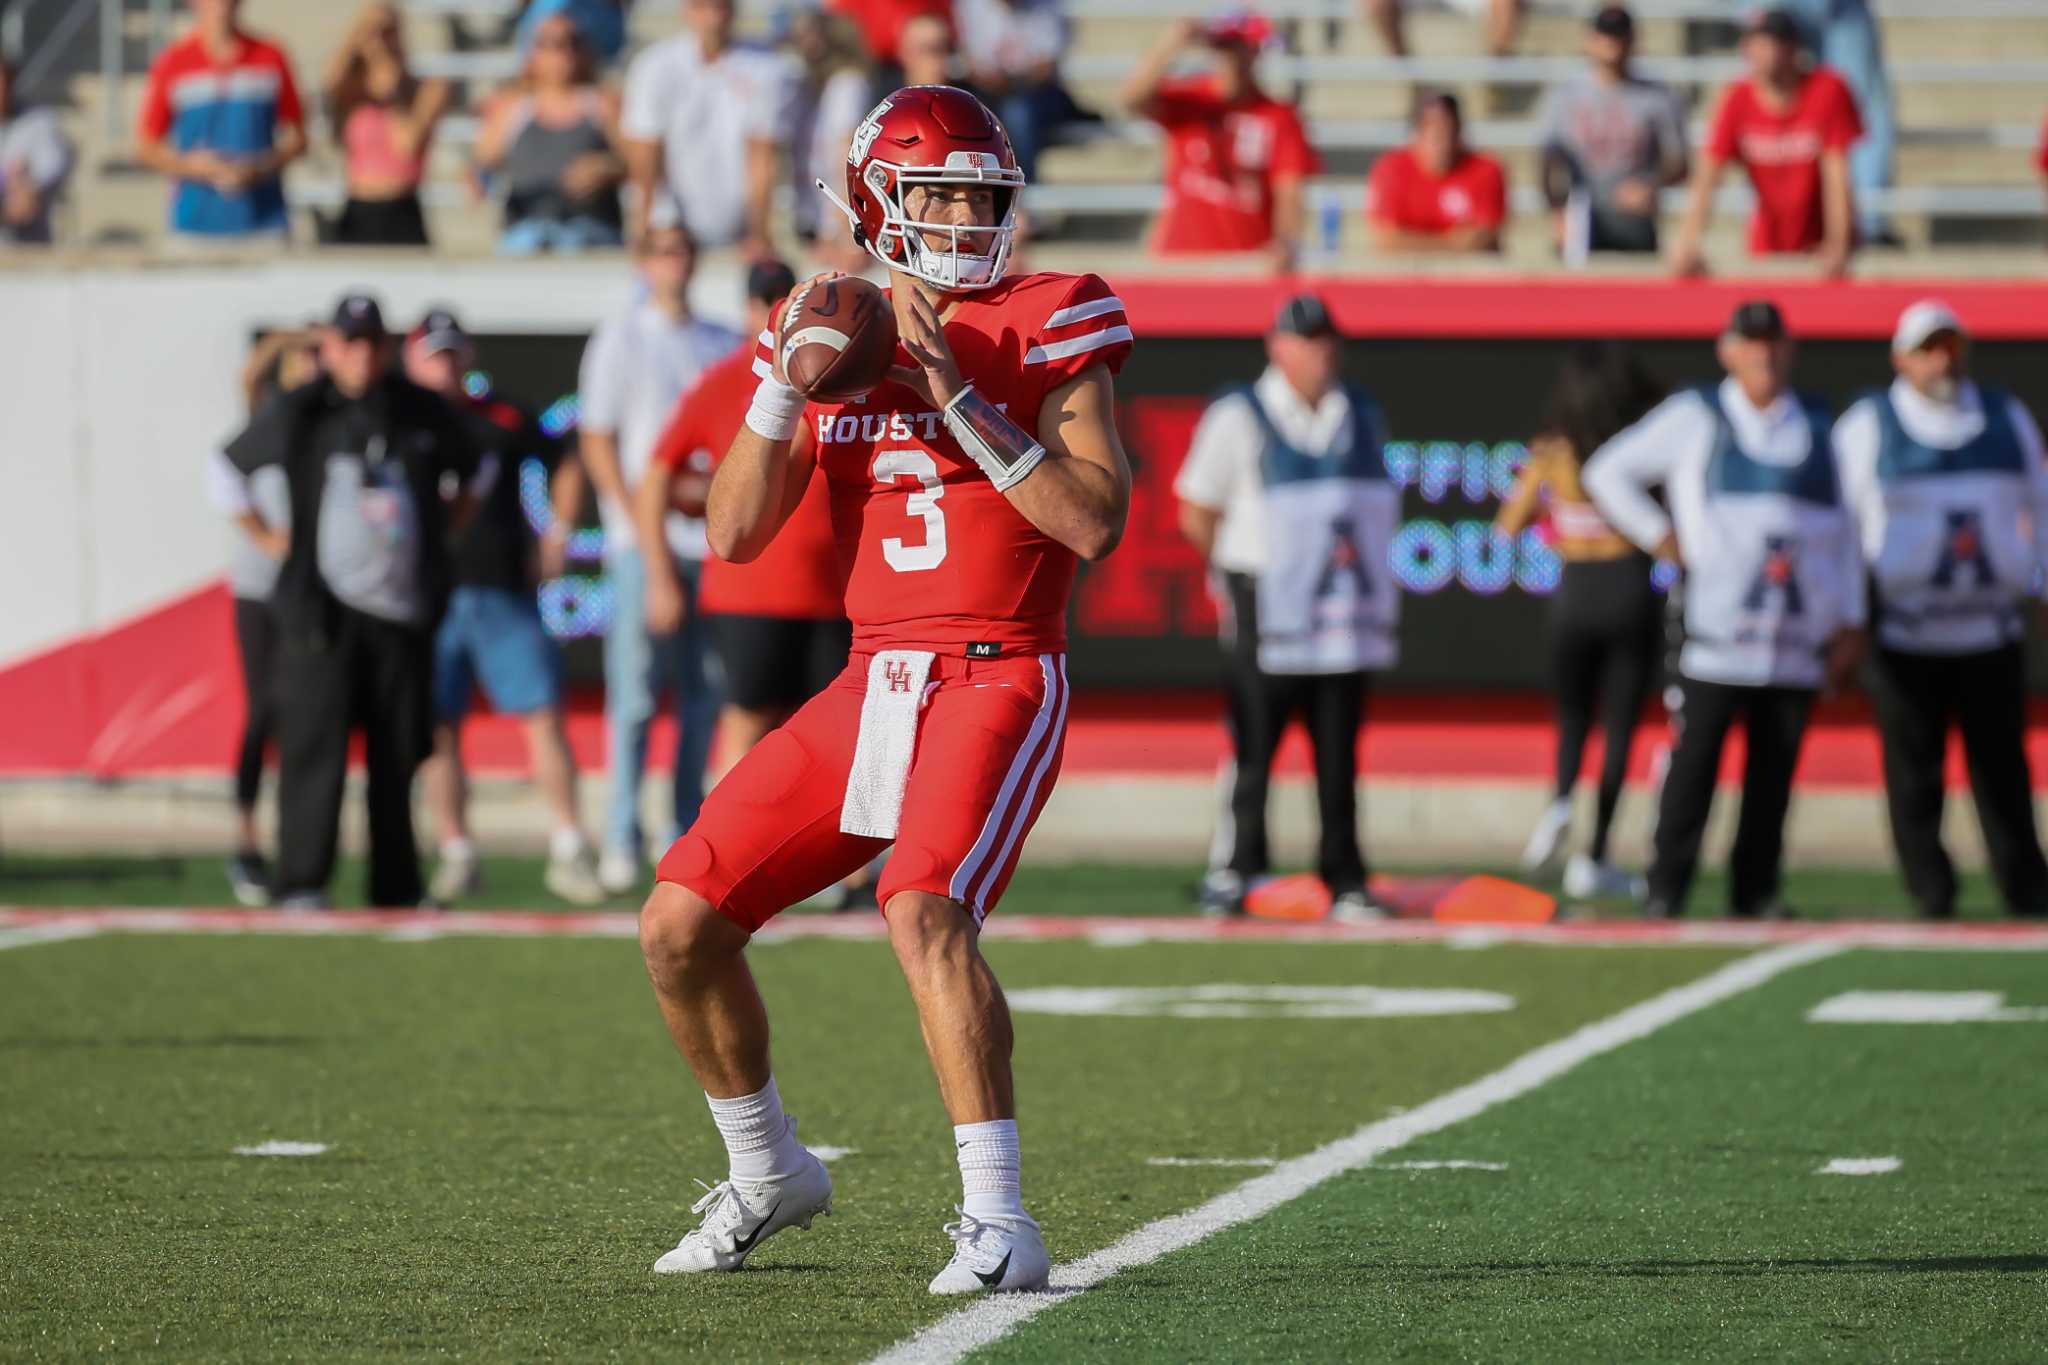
[{"x": 493, "y": 636}]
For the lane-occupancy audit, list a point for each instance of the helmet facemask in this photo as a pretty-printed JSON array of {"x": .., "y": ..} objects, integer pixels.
[{"x": 968, "y": 257}]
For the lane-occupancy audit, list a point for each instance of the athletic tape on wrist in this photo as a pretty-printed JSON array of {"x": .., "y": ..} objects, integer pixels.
[
  {"x": 1005, "y": 452},
  {"x": 776, "y": 410}
]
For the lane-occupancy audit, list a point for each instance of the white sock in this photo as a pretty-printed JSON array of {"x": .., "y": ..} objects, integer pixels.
[
  {"x": 760, "y": 1141},
  {"x": 458, "y": 848},
  {"x": 989, "y": 1166},
  {"x": 565, "y": 843}
]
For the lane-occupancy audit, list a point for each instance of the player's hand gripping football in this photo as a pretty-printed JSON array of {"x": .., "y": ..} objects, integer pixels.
[{"x": 936, "y": 376}]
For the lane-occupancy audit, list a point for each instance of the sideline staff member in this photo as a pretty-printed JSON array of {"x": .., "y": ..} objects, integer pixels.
[
  {"x": 1949, "y": 491},
  {"x": 1286, "y": 495},
  {"x": 364, "y": 581},
  {"x": 1774, "y": 592}
]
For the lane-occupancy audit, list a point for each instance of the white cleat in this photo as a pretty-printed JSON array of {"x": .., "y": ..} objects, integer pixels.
[
  {"x": 999, "y": 1254},
  {"x": 618, "y": 871},
  {"x": 1546, "y": 841},
  {"x": 737, "y": 1219},
  {"x": 1586, "y": 880}
]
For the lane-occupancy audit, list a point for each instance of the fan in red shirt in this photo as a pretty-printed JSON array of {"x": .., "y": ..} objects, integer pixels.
[
  {"x": 965, "y": 489},
  {"x": 1436, "y": 194},
  {"x": 779, "y": 623},
  {"x": 1236, "y": 158},
  {"x": 881, "y": 21},
  {"x": 1791, "y": 128}
]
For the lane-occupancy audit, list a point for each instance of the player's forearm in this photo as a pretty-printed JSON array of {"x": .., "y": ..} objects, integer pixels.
[
  {"x": 748, "y": 500},
  {"x": 1077, "y": 502}
]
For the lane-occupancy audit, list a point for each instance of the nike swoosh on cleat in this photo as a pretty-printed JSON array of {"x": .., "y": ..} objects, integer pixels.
[
  {"x": 741, "y": 1248},
  {"x": 995, "y": 1277}
]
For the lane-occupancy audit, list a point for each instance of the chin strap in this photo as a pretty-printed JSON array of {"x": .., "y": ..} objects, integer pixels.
[{"x": 1005, "y": 452}]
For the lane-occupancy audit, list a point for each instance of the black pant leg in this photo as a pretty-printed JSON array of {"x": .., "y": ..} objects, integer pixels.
[
  {"x": 1240, "y": 701},
  {"x": 1336, "y": 714},
  {"x": 256, "y": 642},
  {"x": 1701, "y": 724},
  {"x": 1575, "y": 655},
  {"x": 393, "y": 690},
  {"x": 1626, "y": 675},
  {"x": 313, "y": 687},
  {"x": 1774, "y": 725},
  {"x": 1994, "y": 723},
  {"x": 1913, "y": 696},
  {"x": 1270, "y": 706}
]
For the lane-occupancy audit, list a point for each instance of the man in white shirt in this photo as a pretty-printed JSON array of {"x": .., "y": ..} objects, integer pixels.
[
  {"x": 1285, "y": 493},
  {"x": 1774, "y": 592},
  {"x": 706, "y": 119},
  {"x": 635, "y": 367},
  {"x": 1948, "y": 486}
]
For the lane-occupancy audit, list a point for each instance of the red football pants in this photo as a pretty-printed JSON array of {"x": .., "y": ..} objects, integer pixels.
[{"x": 989, "y": 738}]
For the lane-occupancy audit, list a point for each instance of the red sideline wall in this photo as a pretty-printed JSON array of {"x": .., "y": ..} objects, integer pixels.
[{"x": 160, "y": 692}]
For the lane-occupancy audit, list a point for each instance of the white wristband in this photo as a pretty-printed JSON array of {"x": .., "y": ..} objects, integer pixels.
[
  {"x": 776, "y": 410},
  {"x": 1004, "y": 450}
]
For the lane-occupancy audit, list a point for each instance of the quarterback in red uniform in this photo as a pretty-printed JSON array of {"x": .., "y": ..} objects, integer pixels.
[{"x": 964, "y": 490}]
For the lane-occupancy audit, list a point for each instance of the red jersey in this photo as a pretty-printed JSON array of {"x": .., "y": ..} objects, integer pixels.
[
  {"x": 1782, "y": 152},
  {"x": 881, "y": 21},
  {"x": 1222, "y": 162},
  {"x": 798, "y": 574},
  {"x": 1401, "y": 191},
  {"x": 936, "y": 557}
]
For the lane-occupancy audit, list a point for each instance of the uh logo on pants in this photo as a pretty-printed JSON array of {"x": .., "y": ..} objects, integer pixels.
[{"x": 1962, "y": 551}]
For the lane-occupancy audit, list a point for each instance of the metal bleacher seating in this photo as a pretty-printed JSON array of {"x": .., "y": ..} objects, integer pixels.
[{"x": 1971, "y": 82}]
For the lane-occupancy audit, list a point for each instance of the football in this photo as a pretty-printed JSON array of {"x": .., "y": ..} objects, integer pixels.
[{"x": 838, "y": 338}]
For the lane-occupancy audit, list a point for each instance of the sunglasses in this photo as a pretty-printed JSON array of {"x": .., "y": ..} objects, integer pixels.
[{"x": 554, "y": 43}]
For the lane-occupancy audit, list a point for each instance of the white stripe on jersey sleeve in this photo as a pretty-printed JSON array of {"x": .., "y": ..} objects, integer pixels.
[
  {"x": 762, "y": 369},
  {"x": 1091, "y": 341},
  {"x": 1081, "y": 312}
]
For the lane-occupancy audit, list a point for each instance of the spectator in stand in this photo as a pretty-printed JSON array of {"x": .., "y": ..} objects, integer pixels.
[
  {"x": 1791, "y": 128},
  {"x": 386, "y": 117},
  {"x": 221, "y": 117},
  {"x": 2041, "y": 157},
  {"x": 707, "y": 118},
  {"x": 1013, "y": 50},
  {"x": 1843, "y": 36},
  {"x": 1617, "y": 138},
  {"x": 1236, "y": 158},
  {"x": 881, "y": 22},
  {"x": 280, "y": 362},
  {"x": 834, "y": 93},
  {"x": 492, "y": 633},
  {"x": 601, "y": 22},
  {"x": 1503, "y": 17},
  {"x": 35, "y": 161},
  {"x": 636, "y": 366},
  {"x": 1436, "y": 194},
  {"x": 365, "y": 455},
  {"x": 927, "y": 52},
  {"x": 553, "y": 140}
]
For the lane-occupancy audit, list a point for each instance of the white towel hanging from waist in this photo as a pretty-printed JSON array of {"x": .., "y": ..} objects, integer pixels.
[{"x": 888, "y": 737}]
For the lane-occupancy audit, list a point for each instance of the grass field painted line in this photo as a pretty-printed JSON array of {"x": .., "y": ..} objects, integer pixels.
[
  {"x": 28, "y": 935},
  {"x": 989, "y": 1319},
  {"x": 416, "y": 926}
]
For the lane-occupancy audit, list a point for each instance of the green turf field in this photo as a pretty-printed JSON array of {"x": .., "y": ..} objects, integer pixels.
[{"x": 511, "y": 1143}]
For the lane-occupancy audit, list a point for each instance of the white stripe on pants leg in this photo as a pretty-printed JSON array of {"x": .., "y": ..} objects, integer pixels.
[{"x": 970, "y": 866}]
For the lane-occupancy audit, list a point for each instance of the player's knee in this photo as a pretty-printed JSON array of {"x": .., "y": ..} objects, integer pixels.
[
  {"x": 928, "y": 930},
  {"x": 680, "y": 932}
]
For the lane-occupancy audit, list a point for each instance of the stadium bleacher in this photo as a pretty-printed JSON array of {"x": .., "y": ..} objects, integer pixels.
[{"x": 1969, "y": 96}]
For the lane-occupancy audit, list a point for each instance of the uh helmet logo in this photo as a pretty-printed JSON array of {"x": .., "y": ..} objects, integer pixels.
[
  {"x": 1962, "y": 550},
  {"x": 1777, "y": 575}
]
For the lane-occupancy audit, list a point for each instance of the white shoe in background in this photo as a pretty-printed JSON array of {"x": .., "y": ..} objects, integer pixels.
[
  {"x": 1546, "y": 841},
  {"x": 993, "y": 1253},
  {"x": 457, "y": 873},
  {"x": 618, "y": 871},
  {"x": 572, "y": 874},
  {"x": 1586, "y": 880}
]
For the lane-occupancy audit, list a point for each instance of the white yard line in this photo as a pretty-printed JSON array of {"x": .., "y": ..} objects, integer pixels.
[
  {"x": 28, "y": 935},
  {"x": 989, "y": 1319}
]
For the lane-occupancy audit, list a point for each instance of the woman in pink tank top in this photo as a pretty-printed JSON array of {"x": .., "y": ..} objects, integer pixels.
[{"x": 385, "y": 118}]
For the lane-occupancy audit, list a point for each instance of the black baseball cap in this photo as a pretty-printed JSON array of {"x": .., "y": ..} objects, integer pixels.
[
  {"x": 440, "y": 330},
  {"x": 1305, "y": 315},
  {"x": 358, "y": 318},
  {"x": 1773, "y": 23},
  {"x": 1757, "y": 320},
  {"x": 769, "y": 280},
  {"x": 1613, "y": 21}
]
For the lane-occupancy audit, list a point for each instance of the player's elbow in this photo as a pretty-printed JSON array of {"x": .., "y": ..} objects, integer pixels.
[
  {"x": 729, "y": 540},
  {"x": 1095, "y": 541}
]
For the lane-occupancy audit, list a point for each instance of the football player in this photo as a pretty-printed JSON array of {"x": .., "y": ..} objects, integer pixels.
[{"x": 964, "y": 491}]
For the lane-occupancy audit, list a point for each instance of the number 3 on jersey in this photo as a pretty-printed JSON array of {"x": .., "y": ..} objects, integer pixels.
[{"x": 891, "y": 465}]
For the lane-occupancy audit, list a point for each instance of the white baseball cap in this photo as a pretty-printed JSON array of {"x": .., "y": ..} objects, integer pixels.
[{"x": 1921, "y": 321}]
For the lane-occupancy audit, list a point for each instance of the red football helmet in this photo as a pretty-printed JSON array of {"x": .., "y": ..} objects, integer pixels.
[{"x": 930, "y": 135}]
